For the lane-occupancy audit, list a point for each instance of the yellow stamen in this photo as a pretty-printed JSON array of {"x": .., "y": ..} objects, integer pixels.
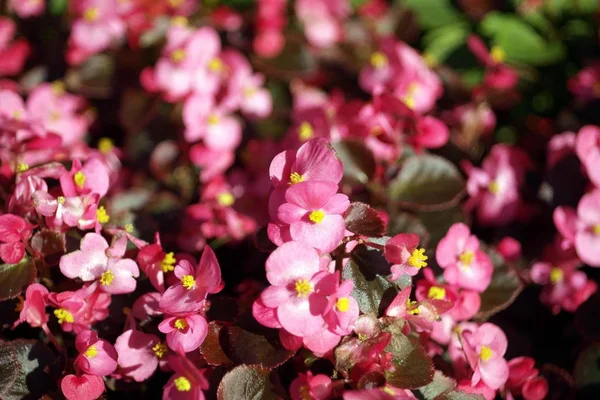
[
  {"x": 249, "y": 91},
  {"x": 317, "y": 216},
  {"x": 225, "y": 199},
  {"x": 305, "y": 131},
  {"x": 188, "y": 282},
  {"x": 180, "y": 323},
  {"x": 175, "y": 3},
  {"x": 362, "y": 337},
  {"x": 107, "y": 278},
  {"x": 378, "y": 60},
  {"x": 178, "y": 55},
  {"x": 54, "y": 115},
  {"x": 129, "y": 228},
  {"x": 409, "y": 98},
  {"x": 160, "y": 350},
  {"x": 58, "y": 88},
  {"x": 182, "y": 384},
  {"x": 412, "y": 307},
  {"x": 216, "y": 65},
  {"x": 556, "y": 275},
  {"x": 466, "y": 258},
  {"x": 63, "y": 316},
  {"x": 342, "y": 304},
  {"x": 101, "y": 215},
  {"x": 91, "y": 352},
  {"x": 213, "y": 119},
  {"x": 296, "y": 178},
  {"x": 596, "y": 229},
  {"x": 91, "y": 14},
  {"x": 22, "y": 167},
  {"x": 493, "y": 187},
  {"x": 388, "y": 390},
  {"x": 61, "y": 199},
  {"x": 179, "y": 21},
  {"x": 498, "y": 54},
  {"x": 437, "y": 293},
  {"x": 79, "y": 179},
  {"x": 417, "y": 258},
  {"x": 168, "y": 262},
  {"x": 304, "y": 393},
  {"x": 105, "y": 145},
  {"x": 303, "y": 288},
  {"x": 17, "y": 114},
  {"x": 486, "y": 353}
]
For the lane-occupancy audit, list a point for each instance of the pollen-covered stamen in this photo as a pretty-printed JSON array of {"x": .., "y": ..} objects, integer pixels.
[
  {"x": 412, "y": 307},
  {"x": 556, "y": 275},
  {"x": 79, "y": 179},
  {"x": 160, "y": 350},
  {"x": 498, "y": 54},
  {"x": 409, "y": 97},
  {"x": 596, "y": 229},
  {"x": 494, "y": 187},
  {"x": 342, "y": 304},
  {"x": 296, "y": 178},
  {"x": 22, "y": 167},
  {"x": 304, "y": 392},
  {"x": 168, "y": 262},
  {"x": 178, "y": 55},
  {"x": 317, "y": 216},
  {"x": 436, "y": 293},
  {"x": 129, "y": 228},
  {"x": 180, "y": 323},
  {"x": 107, "y": 278},
  {"x": 63, "y": 316},
  {"x": 303, "y": 288},
  {"x": 305, "y": 131},
  {"x": 216, "y": 65},
  {"x": 61, "y": 199},
  {"x": 466, "y": 258},
  {"x": 182, "y": 384},
  {"x": 105, "y": 145},
  {"x": 188, "y": 282},
  {"x": 388, "y": 390},
  {"x": 91, "y": 14},
  {"x": 225, "y": 199},
  {"x": 378, "y": 60},
  {"x": 91, "y": 352},
  {"x": 485, "y": 353},
  {"x": 101, "y": 215},
  {"x": 213, "y": 119},
  {"x": 417, "y": 258}
]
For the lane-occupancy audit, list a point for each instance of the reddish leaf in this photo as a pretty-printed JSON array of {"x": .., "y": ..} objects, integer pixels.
[
  {"x": 246, "y": 382},
  {"x": 211, "y": 348},
  {"x": 361, "y": 219},
  {"x": 14, "y": 277}
]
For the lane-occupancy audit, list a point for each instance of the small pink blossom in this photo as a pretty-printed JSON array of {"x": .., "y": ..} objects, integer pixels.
[
  {"x": 28, "y": 8},
  {"x": 139, "y": 354},
  {"x": 510, "y": 249},
  {"x": 585, "y": 85},
  {"x": 34, "y": 306},
  {"x": 96, "y": 356},
  {"x": 77, "y": 311},
  {"x": 211, "y": 123},
  {"x": 587, "y": 147},
  {"x": 187, "y": 382},
  {"x": 524, "y": 379},
  {"x": 485, "y": 348},
  {"x": 343, "y": 308},
  {"x": 82, "y": 387},
  {"x": 317, "y": 387},
  {"x": 560, "y": 147},
  {"x": 421, "y": 315},
  {"x": 13, "y": 53},
  {"x": 498, "y": 75},
  {"x": 92, "y": 177},
  {"x": 464, "y": 264},
  {"x": 14, "y": 237},
  {"x": 61, "y": 211},
  {"x": 403, "y": 252},
  {"x": 186, "y": 333}
]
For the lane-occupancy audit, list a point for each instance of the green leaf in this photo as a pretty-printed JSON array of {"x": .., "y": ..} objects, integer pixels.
[
  {"x": 440, "y": 384},
  {"x": 413, "y": 368},
  {"x": 432, "y": 13},
  {"x": 13, "y": 277},
  {"x": 10, "y": 369},
  {"x": 246, "y": 382},
  {"x": 372, "y": 292},
  {"x": 427, "y": 182},
  {"x": 441, "y": 42},
  {"x": 57, "y": 7},
  {"x": 358, "y": 160},
  {"x": 587, "y": 367}
]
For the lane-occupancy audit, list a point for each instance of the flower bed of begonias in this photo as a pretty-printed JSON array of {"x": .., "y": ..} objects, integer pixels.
[{"x": 309, "y": 199}]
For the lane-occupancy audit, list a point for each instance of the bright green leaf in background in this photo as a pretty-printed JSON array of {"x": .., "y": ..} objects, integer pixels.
[{"x": 433, "y": 13}]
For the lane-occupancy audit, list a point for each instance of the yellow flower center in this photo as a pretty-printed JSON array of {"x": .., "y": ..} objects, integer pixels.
[
  {"x": 466, "y": 258},
  {"x": 296, "y": 178},
  {"x": 54, "y": 115},
  {"x": 213, "y": 119},
  {"x": 498, "y": 54},
  {"x": 493, "y": 187},
  {"x": 362, "y": 337},
  {"x": 342, "y": 304},
  {"x": 182, "y": 384},
  {"x": 178, "y": 55},
  {"x": 304, "y": 392},
  {"x": 63, "y": 316},
  {"x": 168, "y": 262},
  {"x": 317, "y": 216},
  {"x": 437, "y": 293},
  {"x": 129, "y": 228},
  {"x": 175, "y": 3},
  {"x": 249, "y": 91},
  {"x": 409, "y": 98},
  {"x": 417, "y": 258},
  {"x": 101, "y": 215},
  {"x": 216, "y": 65},
  {"x": 388, "y": 390},
  {"x": 107, "y": 278},
  {"x": 159, "y": 349},
  {"x": 91, "y": 352},
  {"x": 61, "y": 199},
  {"x": 556, "y": 275},
  {"x": 596, "y": 229},
  {"x": 225, "y": 199},
  {"x": 180, "y": 323},
  {"x": 91, "y": 14},
  {"x": 79, "y": 179},
  {"x": 412, "y": 307},
  {"x": 303, "y": 288},
  {"x": 105, "y": 145},
  {"x": 486, "y": 353},
  {"x": 188, "y": 282},
  {"x": 305, "y": 131},
  {"x": 22, "y": 167},
  {"x": 179, "y": 20},
  {"x": 58, "y": 88},
  {"x": 378, "y": 60}
]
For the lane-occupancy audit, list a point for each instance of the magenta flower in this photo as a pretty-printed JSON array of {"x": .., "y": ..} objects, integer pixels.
[
  {"x": 585, "y": 85},
  {"x": 421, "y": 315},
  {"x": 307, "y": 386},
  {"x": 96, "y": 261},
  {"x": 464, "y": 264},
  {"x": 403, "y": 252},
  {"x": 92, "y": 177},
  {"x": 34, "y": 306},
  {"x": 524, "y": 379},
  {"x": 139, "y": 354},
  {"x": 184, "y": 334},
  {"x": 155, "y": 263},
  {"x": 313, "y": 211},
  {"x": 343, "y": 308},
  {"x": 294, "y": 271},
  {"x": 187, "y": 383},
  {"x": 13, "y": 53},
  {"x": 82, "y": 387},
  {"x": 498, "y": 75},
  {"x": 14, "y": 236},
  {"x": 27, "y": 8},
  {"x": 582, "y": 229},
  {"x": 485, "y": 348},
  {"x": 587, "y": 147},
  {"x": 188, "y": 294},
  {"x": 79, "y": 211},
  {"x": 96, "y": 356}
]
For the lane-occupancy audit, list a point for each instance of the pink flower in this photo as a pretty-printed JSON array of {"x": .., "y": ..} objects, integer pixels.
[
  {"x": 587, "y": 147},
  {"x": 510, "y": 249},
  {"x": 485, "y": 348},
  {"x": 421, "y": 315},
  {"x": 313, "y": 211},
  {"x": 96, "y": 356},
  {"x": 523, "y": 379},
  {"x": 79, "y": 211},
  {"x": 12, "y": 55},
  {"x": 77, "y": 311},
  {"x": 582, "y": 229},
  {"x": 96, "y": 261},
  {"x": 307, "y": 386},
  {"x": 146, "y": 306},
  {"x": 403, "y": 252},
  {"x": 188, "y": 294},
  {"x": 382, "y": 68},
  {"x": 586, "y": 84},
  {"x": 28, "y": 8},
  {"x": 295, "y": 273},
  {"x": 213, "y": 124},
  {"x": 560, "y": 147},
  {"x": 184, "y": 334},
  {"x": 322, "y": 20},
  {"x": 464, "y": 264},
  {"x": 245, "y": 89},
  {"x": 82, "y": 387},
  {"x": 14, "y": 236},
  {"x": 155, "y": 263},
  {"x": 343, "y": 308},
  {"x": 34, "y": 307},
  {"x": 138, "y": 354},
  {"x": 186, "y": 383},
  {"x": 92, "y": 177},
  {"x": 498, "y": 75}
]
